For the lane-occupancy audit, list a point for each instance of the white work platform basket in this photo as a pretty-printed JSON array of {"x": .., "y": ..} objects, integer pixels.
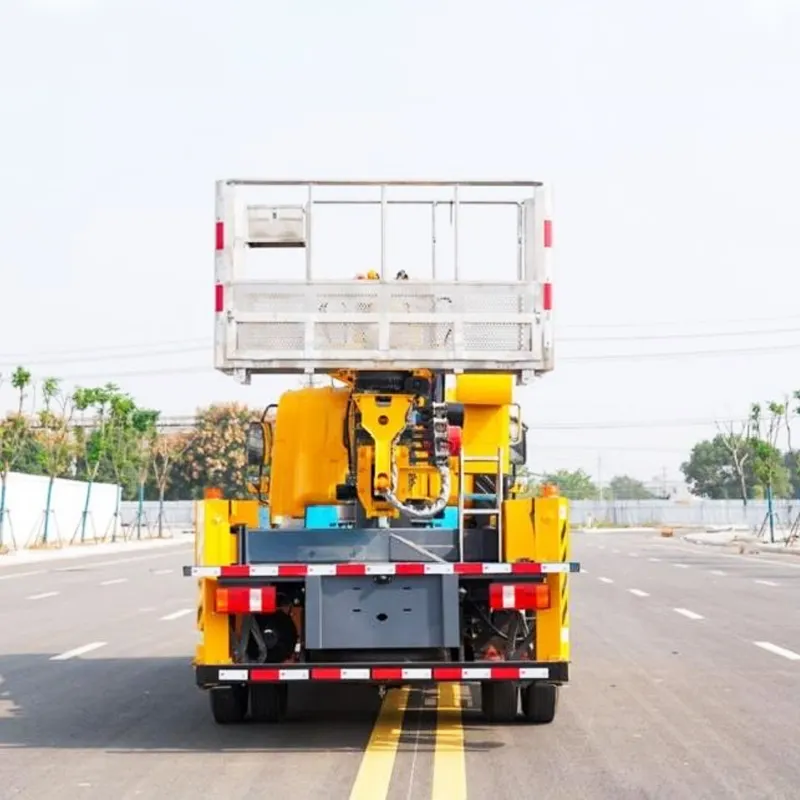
[{"x": 315, "y": 276}]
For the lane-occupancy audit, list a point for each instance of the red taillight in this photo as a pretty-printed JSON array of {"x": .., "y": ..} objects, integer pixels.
[
  {"x": 243, "y": 600},
  {"x": 548, "y": 233},
  {"x": 219, "y": 235},
  {"x": 519, "y": 596},
  {"x": 547, "y": 296},
  {"x": 454, "y": 439},
  {"x": 219, "y": 298}
]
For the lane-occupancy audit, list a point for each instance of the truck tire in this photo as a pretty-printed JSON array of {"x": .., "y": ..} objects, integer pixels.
[
  {"x": 268, "y": 702},
  {"x": 499, "y": 701},
  {"x": 228, "y": 704},
  {"x": 539, "y": 703}
]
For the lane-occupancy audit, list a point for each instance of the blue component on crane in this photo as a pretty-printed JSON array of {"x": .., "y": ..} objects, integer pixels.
[{"x": 328, "y": 517}]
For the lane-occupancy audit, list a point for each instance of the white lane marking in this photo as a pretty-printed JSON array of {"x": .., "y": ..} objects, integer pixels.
[
  {"x": 78, "y": 563},
  {"x": 42, "y": 595},
  {"x": 113, "y": 581},
  {"x": 615, "y": 552},
  {"x": 21, "y": 575},
  {"x": 638, "y": 592},
  {"x": 778, "y": 651},
  {"x": 718, "y": 572},
  {"x": 606, "y": 580},
  {"x": 177, "y": 614},
  {"x": 654, "y": 559},
  {"x": 767, "y": 583},
  {"x": 584, "y": 571},
  {"x": 602, "y": 546},
  {"x": 162, "y": 571},
  {"x": 681, "y": 566},
  {"x": 688, "y": 614},
  {"x": 78, "y": 651},
  {"x": 633, "y": 555}
]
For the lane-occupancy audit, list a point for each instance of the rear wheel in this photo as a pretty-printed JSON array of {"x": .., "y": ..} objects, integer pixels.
[
  {"x": 228, "y": 704},
  {"x": 268, "y": 702},
  {"x": 499, "y": 701},
  {"x": 539, "y": 702}
]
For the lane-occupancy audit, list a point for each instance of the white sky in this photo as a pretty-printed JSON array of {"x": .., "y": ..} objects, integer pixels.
[{"x": 668, "y": 130}]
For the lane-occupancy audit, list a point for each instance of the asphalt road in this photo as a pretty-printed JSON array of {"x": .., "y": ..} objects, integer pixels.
[{"x": 685, "y": 684}]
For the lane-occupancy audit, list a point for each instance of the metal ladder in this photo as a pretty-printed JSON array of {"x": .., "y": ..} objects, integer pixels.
[{"x": 496, "y": 496}]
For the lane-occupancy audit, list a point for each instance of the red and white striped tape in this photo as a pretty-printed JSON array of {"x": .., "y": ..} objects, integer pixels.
[
  {"x": 504, "y": 672},
  {"x": 355, "y": 570}
]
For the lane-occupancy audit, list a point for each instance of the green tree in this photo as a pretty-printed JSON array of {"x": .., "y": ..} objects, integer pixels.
[
  {"x": 92, "y": 440},
  {"x": 710, "y": 471},
  {"x": 576, "y": 485},
  {"x": 54, "y": 433},
  {"x": 21, "y": 381},
  {"x": 623, "y": 487}
]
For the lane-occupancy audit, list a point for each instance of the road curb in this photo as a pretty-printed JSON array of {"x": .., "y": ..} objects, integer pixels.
[
  {"x": 20, "y": 557},
  {"x": 742, "y": 546}
]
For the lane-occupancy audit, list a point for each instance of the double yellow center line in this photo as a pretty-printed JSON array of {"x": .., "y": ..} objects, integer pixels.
[{"x": 449, "y": 768}]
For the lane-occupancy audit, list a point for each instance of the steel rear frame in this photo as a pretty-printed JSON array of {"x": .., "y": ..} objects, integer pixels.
[{"x": 283, "y": 559}]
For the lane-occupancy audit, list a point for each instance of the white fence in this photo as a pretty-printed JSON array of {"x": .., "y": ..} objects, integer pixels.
[
  {"x": 698, "y": 513},
  {"x": 26, "y": 504},
  {"x": 693, "y": 513}
]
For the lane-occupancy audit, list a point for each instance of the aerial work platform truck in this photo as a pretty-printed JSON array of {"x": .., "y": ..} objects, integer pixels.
[{"x": 389, "y": 539}]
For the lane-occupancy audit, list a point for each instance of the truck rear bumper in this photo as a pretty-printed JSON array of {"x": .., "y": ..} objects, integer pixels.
[{"x": 209, "y": 676}]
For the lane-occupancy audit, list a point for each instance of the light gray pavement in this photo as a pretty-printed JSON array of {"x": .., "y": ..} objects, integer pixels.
[{"x": 662, "y": 704}]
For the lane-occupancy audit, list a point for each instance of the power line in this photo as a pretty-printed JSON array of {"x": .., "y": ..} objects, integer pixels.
[{"x": 738, "y": 352}]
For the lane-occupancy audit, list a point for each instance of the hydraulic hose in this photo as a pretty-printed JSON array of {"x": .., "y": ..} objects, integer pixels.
[{"x": 430, "y": 509}]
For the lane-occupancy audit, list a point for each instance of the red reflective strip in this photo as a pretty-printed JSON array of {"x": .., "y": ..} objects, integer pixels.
[
  {"x": 387, "y": 674},
  {"x": 219, "y": 235},
  {"x": 351, "y": 570},
  {"x": 548, "y": 233},
  {"x": 236, "y": 571},
  {"x": 326, "y": 674},
  {"x": 292, "y": 570},
  {"x": 468, "y": 569},
  {"x": 547, "y": 296},
  {"x": 219, "y": 298},
  {"x": 505, "y": 673},
  {"x": 409, "y": 569},
  {"x": 526, "y": 568},
  {"x": 447, "y": 674},
  {"x": 265, "y": 675}
]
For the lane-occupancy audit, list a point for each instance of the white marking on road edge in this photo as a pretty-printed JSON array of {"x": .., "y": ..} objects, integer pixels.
[
  {"x": 779, "y": 651},
  {"x": 78, "y": 651},
  {"x": 606, "y": 580},
  {"x": 163, "y": 571},
  {"x": 767, "y": 583},
  {"x": 638, "y": 592},
  {"x": 42, "y": 595},
  {"x": 176, "y": 614},
  {"x": 113, "y": 581},
  {"x": 584, "y": 571},
  {"x": 718, "y": 572},
  {"x": 21, "y": 575},
  {"x": 633, "y": 555},
  {"x": 681, "y": 566},
  {"x": 616, "y": 552},
  {"x": 654, "y": 559},
  {"x": 688, "y": 614}
]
